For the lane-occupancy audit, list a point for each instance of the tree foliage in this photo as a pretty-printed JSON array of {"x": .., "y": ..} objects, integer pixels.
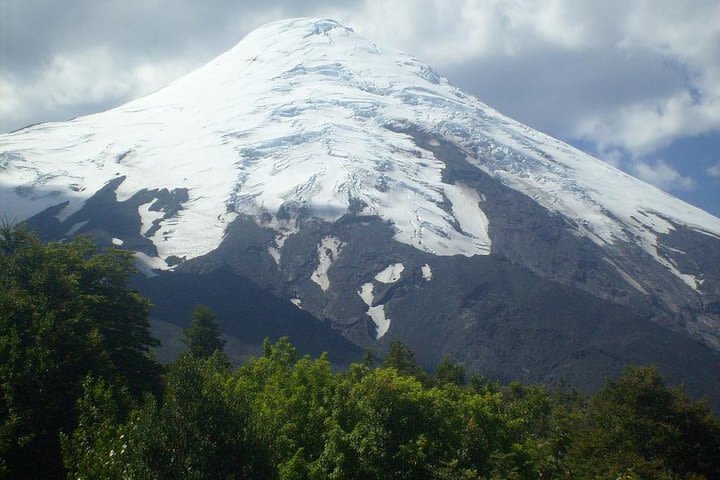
[
  {"x": 65, "y": 313},
  {"x": 202, "y": 337},
  {"x": 196, "y": 431},
  {"x": 638, "y": 427},
  {"x": 450, "y": 372},
  {"x": 78, "y": 388},
  {"x": 280, "y": 416}
]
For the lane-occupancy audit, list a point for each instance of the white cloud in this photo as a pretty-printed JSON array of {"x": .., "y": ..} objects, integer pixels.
[
  {"x": 83, "y": 77},
  {"x": 613, "y": 156},
  {"x": 646, "y": 127},
  {"x": 662, "y": 176},
  {"x": 684, "y": 35},
  {"x": 714, "y": 170},
  {"x": 12, "y": 103}
]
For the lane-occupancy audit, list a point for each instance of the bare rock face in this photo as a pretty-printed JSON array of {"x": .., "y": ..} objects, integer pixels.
[{"x": 311, "y": 183}]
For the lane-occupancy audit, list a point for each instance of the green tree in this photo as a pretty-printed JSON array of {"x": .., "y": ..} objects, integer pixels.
[
  {"x": 450, "y": 372},
  {"x": 65, "y": 313},
  {"x": 282, "y": 354},
  {"x": 202, "y": 337},
  {"x": 196, "y": 431},
  {"x": 284, "y": 417},
  {"x": 639, "y": 427},
  {"x": 401, "y": 358},
  {"x": 369, "y": 359},
  {"x": 97, "y": 447},
  {"x": 291, "y": 404},
  {"x": 389, "y": 426}
]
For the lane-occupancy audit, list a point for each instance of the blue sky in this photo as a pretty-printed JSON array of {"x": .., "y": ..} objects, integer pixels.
[
  {"x": 633, "y": 82},
  {"x": 697, "y": 158}
]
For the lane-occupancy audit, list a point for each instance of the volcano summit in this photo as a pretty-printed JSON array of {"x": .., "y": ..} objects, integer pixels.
[{"x": 313, "y": 183}]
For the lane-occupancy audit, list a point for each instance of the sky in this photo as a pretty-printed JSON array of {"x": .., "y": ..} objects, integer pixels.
[{"x": 633, "y": 82}]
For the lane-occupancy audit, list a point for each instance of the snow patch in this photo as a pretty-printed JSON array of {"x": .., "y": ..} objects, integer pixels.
[
  {"x": 382, "y": 324},
  {"x": 466, "y": 209},
  {"x": 275, "y": 254},
  {"x": 377, "y": 312},
  {"x": 284, "y": 229},
  {"x": 391, "y": 274},
  {"x": 648, "y": 242},
  {"x": 426, "y": 272},
  {"x": 148, "y": 217},
  {"x": 146, "y": 264},
  {"x": 366, "y": 293},
  {"x": 327, "y": 251}
]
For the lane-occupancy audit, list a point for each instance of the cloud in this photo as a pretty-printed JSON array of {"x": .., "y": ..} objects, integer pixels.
[
  {"x": 613, "y": 156},
  {"x": 714, "y": 170},
  {"x": 645, "y": 127},
  {"x": 87, "y": 77},
  {"x": 662, "y": 176},
  {"x": 684, "y": 35}
]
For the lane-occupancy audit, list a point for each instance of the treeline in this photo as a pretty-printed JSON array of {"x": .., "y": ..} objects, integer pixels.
[{"x": 82, "y": 397}]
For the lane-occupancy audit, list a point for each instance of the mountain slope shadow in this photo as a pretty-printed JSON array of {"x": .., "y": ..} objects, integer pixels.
[{"x": 244, "y": 311}]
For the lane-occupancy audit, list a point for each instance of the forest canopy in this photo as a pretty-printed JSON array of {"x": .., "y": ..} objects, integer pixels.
[{"x": 82, "y": 397}]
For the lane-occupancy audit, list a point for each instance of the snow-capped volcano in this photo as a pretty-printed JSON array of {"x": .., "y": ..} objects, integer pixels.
[
  {"x": 300, "y": 114},
  {"x": 296, "y": 156}
]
